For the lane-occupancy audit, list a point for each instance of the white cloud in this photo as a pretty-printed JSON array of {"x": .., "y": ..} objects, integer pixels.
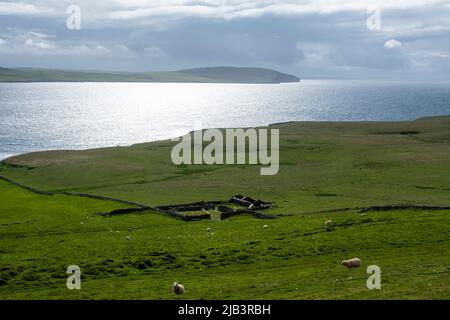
[
  {"x": 25, "y": 9},
  {"x": 37, "y": 40},
  {"x": 217, "y": 9},
  {"x": 43, "y": 45},
  {"x": 40, "y": 35},
  {"x": 29, "y": 42},
  {"x": 432, "y": 54},
  {"x": 440, "y": 54},
  {"x": 38, "y": 44},
  {"x": 242, "y": 9},
  {"x": 94, "y": 50},
  {"x": 84, "y": 50},
  {"x": 392, "y": 44}
]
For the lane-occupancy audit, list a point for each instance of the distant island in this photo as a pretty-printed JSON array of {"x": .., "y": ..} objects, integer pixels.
[{"x": 198, "y": 75}]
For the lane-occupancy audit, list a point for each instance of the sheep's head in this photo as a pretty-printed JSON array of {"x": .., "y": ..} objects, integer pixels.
[{"x": 177, "y": 288}]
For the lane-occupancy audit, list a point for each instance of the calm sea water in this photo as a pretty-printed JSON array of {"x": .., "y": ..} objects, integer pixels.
[{"x": 43, "y": 116}]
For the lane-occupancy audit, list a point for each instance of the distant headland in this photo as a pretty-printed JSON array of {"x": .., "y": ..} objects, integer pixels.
[{"x": 197, "y": 75}]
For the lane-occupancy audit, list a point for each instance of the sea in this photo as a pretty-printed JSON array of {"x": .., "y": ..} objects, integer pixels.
[{"x": 48, "y": 116}]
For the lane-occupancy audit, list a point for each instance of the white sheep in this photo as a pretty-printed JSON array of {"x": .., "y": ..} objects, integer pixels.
[
  {"x": 265, "y": 226},
  {"x": 177, "y": 288},
  {"x": 208, "y": 229},
  {"x": 352, "y": 263},
  {"x": 128, "y": 237},
  {"x": 328, "y": 224}
]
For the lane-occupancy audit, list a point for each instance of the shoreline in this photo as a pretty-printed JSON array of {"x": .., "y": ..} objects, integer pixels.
[{"x": 424, "y": 118}]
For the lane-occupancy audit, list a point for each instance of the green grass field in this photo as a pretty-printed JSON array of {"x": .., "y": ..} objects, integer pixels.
[{"x": 324, "y": 167}]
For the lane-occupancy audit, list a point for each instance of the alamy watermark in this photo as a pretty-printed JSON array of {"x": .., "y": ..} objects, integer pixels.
[
  {"x": 229, "y": 146},
  {"x": 374, "y": 280},
  {"x": 73, "y": 22},
  {"x": 74, "y": 280},
  {"x": 373, "y": 22}
]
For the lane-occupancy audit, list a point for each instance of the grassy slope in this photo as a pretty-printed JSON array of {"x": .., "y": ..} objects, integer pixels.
[
  {"x": 204, "y": 75},
  {"x": 362, "y": 163},
  {"x": 294, "y": 258},
  {"x": 233, "y": 74}
]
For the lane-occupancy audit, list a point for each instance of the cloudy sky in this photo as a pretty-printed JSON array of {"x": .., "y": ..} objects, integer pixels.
[{"x": 308, "y": 38}]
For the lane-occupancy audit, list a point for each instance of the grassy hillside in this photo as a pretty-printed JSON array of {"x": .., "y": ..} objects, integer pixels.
[
  {"x": 294, "y": 258},
  {"x": 204, "y": 75},
  {"x": 327, "y": 171},
  {"x": 323, "y": 166},
  {"x": 230, "y": 74}
]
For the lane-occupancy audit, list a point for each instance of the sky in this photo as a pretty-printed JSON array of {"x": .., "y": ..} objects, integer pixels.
[{"x": 402, "y": 39}]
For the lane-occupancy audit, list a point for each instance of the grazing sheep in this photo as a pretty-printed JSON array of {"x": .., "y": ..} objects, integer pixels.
[
  {"x": 128, "y": 237},
  {"x": 265, "y": 226},
  {"x": 177, "y": 288},
  {"x": 363, "y": 214},
  {"x": 208, "y": 229},
  {"x": 130, "y": 229},
  {"x": 352, "y": 263},
  {"x": 329, "y": 225}
]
